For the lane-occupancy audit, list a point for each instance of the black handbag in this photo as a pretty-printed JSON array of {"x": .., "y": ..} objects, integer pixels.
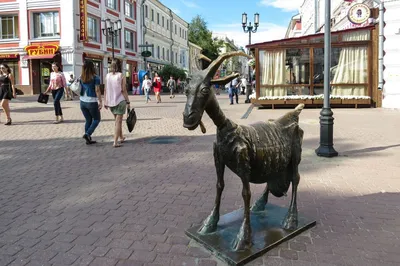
[
  {"x": 43, "y": 98},
  {"x": 131, "y": 119}
]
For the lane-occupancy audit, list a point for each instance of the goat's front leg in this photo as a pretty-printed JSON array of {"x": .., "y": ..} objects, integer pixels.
[
  {"x": 210, "y": 224},
  {"x": 259, "y": 205},
  {"x": 291, "y": 220},
  {"x": 243, "y": 239}
]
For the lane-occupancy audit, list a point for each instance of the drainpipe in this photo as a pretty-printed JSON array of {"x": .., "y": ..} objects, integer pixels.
[
  {"x": 381, "y": 41},
  {"x": 171, "y": 53},
  {"x": 316, "y": 15}
]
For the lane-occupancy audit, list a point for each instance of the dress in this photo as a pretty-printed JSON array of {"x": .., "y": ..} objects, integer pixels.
[
  {"x": 5, "y": 88},
  {"x": 157, "y": 88}
]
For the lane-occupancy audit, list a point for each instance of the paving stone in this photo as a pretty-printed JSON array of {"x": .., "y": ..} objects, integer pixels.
[
  {"x": 103, "y": 262},
  {"x": 64, "y": 259},
  {"x": 119, "y": 253}
]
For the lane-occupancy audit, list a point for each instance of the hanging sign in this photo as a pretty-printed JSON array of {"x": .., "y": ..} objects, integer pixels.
[
  {"x": 47, "y": 49},
  {"x": 83, "y": 20},
  {"x": 359, "y": 13}
]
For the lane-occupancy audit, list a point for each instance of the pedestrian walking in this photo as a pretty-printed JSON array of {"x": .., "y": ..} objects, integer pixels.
[
  {"x": 7, "y": 90},
  {"x": 146, "y": 87},
  {"x": 233, "y": 90},
  {"x": 90, "y": 100},
  {"x": 171, "y": 84},
  {"x": 56, "y": 86},
  {"x": 243, "y": 85},
  {"x": 116, "y": 98},
  {"x": 157, "y": 87},
  {"x": 68, "y": 93}
]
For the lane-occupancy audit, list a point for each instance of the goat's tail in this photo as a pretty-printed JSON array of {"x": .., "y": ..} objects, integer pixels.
[{"x": 292, "y": 116}]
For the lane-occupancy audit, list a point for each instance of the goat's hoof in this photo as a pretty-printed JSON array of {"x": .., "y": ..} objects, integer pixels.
[
  {"x": 241, "y": 244},
  {"x": 207, "y": 229},
  {"x": 290, "y": 222}
]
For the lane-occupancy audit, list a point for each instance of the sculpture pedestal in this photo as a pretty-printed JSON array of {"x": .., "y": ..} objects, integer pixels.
[{"x": 266, "y": 234}]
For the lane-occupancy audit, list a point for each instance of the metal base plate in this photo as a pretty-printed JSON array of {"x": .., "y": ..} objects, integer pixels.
[{"x": 266, "y": 234}]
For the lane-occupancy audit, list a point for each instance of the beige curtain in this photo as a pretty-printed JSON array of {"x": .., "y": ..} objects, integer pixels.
[
  {"x": 352, "y": 67},
  {"x": 273, "y": 72}
]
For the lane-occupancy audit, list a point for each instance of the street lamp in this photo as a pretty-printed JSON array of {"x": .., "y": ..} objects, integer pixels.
[
  {"x": 249, "y": 29},
  {"x": 326, "y": 119},
  {"x": 112, "y": 29}
]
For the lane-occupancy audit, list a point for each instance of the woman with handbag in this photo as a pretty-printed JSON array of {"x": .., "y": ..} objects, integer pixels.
[
  {"x": 157, "y": 87},
  {"x": 56, "y": 86},
  {"x": 116, "y": 98},
  {"x": 90, "y": 99},
  {"x": 7, "y": 90}
]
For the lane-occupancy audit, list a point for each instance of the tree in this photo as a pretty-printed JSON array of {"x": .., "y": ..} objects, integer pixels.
[
  {"x": 200, "y": 35},
  {"x": 170, "y": 70}
]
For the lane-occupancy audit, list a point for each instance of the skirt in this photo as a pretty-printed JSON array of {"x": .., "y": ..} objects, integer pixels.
[{"x": 120, "y": 109}]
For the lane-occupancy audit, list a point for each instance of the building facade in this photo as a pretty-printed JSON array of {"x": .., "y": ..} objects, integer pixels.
[
  {"x": 35, "y": 33},
  {"x": 294, "y": 28},
  {"x": 312, "y": 19},
  {"x": 167, "y": 32}
]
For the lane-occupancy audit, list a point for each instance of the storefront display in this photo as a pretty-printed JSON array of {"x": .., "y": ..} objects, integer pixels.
[{"x": 290, "y": 71}]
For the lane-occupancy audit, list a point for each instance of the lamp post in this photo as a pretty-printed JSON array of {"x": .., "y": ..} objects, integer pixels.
[
  {"x": 250, "y": 29},
  {"x": 113, "y": 29},
  {"x": 326, "y": 119}
]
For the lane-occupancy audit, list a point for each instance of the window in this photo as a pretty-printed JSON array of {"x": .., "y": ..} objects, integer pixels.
[
  {"x": 46, "y": 24},
  {"x": 116, "y": 41},
  {"x": 146, "y": 11},
  {"x": 167, "y": 54},
  {"x": 158, "y": 18},
  {"x": 9, "y": 27},
  {"x": 152, "y": 15},
  {"x": 163, "y": 53},
  {"x": 167, "y": 24},
  {"x": 128, "y": 9},
  {"x": 112, "y": 4},
  {"x": 162, "y": 21},
  {"x": 93, "y": 29},
  {"x": 176, "y": 57},
  {"x": 158, "y": 52},
  {"x": 130, "y": 40},
  {"x": 175, "y": 29}
]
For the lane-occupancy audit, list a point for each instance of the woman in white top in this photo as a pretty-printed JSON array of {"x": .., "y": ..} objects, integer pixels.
[
  {"x": 116, "y": 97},
  {"x": 146, "y": 87}
]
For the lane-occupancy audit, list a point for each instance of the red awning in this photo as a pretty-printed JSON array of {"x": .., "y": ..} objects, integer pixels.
[{"x": 45, "y": 56}]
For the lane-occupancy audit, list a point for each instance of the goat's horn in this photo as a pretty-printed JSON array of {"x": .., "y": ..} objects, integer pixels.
[{"x": 213, "y": 67}]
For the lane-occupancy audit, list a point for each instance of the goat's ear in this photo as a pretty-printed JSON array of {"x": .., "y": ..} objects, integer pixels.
[{"x": 224, "y": 80}]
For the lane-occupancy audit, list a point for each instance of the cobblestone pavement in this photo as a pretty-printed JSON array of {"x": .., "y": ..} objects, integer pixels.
[{"x": 65, "y": 203}]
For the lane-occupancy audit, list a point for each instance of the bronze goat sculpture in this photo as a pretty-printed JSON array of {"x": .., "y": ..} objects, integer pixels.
[{"x": 265, "y": 152}]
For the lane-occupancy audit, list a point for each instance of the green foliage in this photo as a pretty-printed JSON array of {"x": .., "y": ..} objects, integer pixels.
[
  {"x": 170, "y": 70},
  {"x": 200, "y": 35}
]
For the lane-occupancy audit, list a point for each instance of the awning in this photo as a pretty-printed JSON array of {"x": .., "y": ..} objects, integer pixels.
[{"x": 45, "y": 56}]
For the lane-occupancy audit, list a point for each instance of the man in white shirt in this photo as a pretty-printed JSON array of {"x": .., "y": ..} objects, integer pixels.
[
  {"x": 243, "y": 85},
  {"x": 233, "y": 90}
]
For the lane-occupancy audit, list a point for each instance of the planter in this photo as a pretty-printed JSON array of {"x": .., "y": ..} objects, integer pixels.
[
  {"x": 298, "y": 101},
  {"x": 336, "y": 101},
  {"x": 318, "y": 101}
]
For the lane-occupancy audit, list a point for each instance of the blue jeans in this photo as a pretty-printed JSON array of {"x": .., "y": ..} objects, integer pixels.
[
  {"x": 147, "y": 93},
  {"x": 91, "y": 113},
  {"x": 233, "y": 91},
  {"x": 57, "y": 95}
]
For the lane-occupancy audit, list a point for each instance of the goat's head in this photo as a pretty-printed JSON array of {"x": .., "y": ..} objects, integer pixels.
[{"x": 198, "y": 91}]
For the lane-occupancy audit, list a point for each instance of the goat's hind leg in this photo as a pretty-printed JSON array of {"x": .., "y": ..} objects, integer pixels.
[
  {"x": 210, "y": 224},
  {"x": 259, "y": 205},
  {"x": 291, "y": 220}
]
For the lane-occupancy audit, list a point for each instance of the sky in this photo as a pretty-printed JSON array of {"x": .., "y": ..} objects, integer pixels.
[{"x": 225, "y": 16}]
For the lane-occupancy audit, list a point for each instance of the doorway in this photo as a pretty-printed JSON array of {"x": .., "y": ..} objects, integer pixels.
[{"x": 45, "y": 70}]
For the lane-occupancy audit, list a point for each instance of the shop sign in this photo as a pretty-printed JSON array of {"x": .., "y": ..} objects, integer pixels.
[
  {"x": 359, "y": 13},
  {"x": 47, "y": 49},
  {"x": 83, "y": 20},
  {"x": 93, "y": 56},
  {"x": 146, "y": 53},
  {"x": 8, "y": 56}
]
